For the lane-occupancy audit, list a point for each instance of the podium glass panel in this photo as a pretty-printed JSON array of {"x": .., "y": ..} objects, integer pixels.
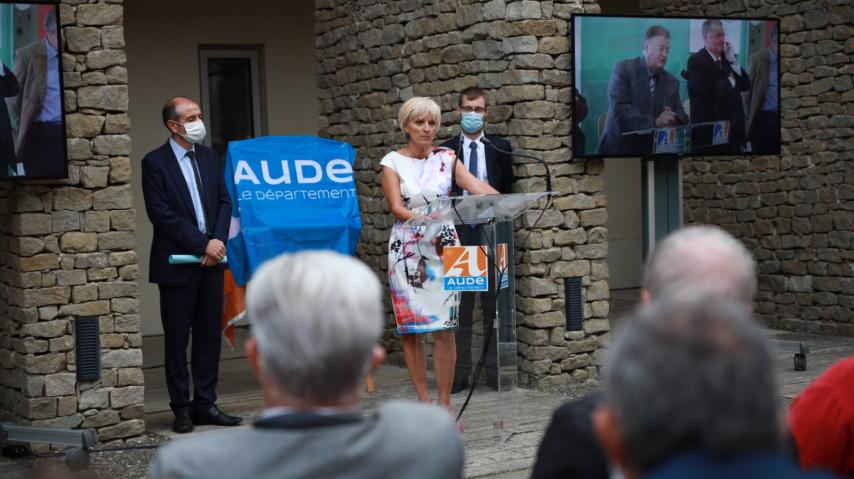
[{"x": 488, "y": 223}]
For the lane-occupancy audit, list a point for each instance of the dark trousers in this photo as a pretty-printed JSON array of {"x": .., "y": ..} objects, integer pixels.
[
  {"x": 765, "y": 133},
  {"x": 43, "y": 151},
  {"x": 192, "y": 310},
  {"x": 463, "y": 367}
]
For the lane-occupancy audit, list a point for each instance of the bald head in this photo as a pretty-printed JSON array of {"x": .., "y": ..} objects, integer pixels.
[
  {"x": 173, "y": 109},
  {"x": 703, "y": 260}
]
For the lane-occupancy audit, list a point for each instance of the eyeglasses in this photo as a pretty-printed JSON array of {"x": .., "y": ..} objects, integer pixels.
[{"x": 473, "y": 109}]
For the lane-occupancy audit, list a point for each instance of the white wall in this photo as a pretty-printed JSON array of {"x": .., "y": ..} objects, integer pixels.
[
  {"x": 625, "y": 222},
  {"x": 163, "y": 38}
]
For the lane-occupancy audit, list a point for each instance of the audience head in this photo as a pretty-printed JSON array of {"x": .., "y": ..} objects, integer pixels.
[
  {"x": 687, "y": 374},
  {"x": 419, "y": 118},
  {"x": 316, "y": 318},
  {"x": 714, "y": 36},
  {"x": 704, "y": 260},
  {"x": 656, "y": 47}
]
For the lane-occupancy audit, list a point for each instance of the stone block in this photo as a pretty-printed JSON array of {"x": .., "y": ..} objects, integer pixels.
[
  {"x": 133, "y": 412},
  {"x": 123, "y": 220},
  {"x": 122, "y": 358},
  {"x": 100, "y": 59},
  {"x": 595, "y": 217},
  {"x": 96, "y": 398},
  {"x": 591, "y": 251},
  {"x": 94, "y": 176},
  {"x": 575, "y": 362},
  {"x": 597, "y": 291},
  {"x": 81, "y": 40},
  {"x": 45, "y": 296},
  {"x": 105, "y": 97},
  {"x": 533, "y": 287},
  {"x": 39, "y": 262},
  {"x": 112, "y": 145},
  {"x": 116, "y": 240},
  {"x": 99, "y": 14},
  {"x": 539, "y": 109},
  {"x": 60, "y": 384},
  {"x": 534, "y": 337},
  {"x": 123, "y": 258},
  {"x": 113, "y": 36},
  {"x": 104, "y": 417},
  {"x": 117, "y": 290},
  {"x": 45, "y": 329},
  {"x": 92, "y": 260},
  {"x": 79, "y": 125},
  {"x": 592, "y": 326},
  {"x": 131, "y": 376},
  {"x": 62, "y": 344},
  {"x": 126, "y": 396},
  {"x": 96, "y": 221},
  {"x": 552, "y": 353},
  {"x": 569, "y": 269},
  {"x": 526, "y": 9},
  {"x": 66, "y": 406},
  {"x": 45, "y": 363},
  {"x": 26, "y": 246},
  {"x": 551, "y": 319},
  {"x": 521, "y": 44},
  {"x": 133, "y": 427},
  {"x": 101, "y": 274},
  {"x": 66, "y": 220},
  {"x": 89, "y": 308},
  {"x": 120, "y": 170},
  {"x": 40, "y": 408},
  {"x": 77, "y": 242},
  {"x": 61, "y": 422},
  {"x": 69, "y": 198}
]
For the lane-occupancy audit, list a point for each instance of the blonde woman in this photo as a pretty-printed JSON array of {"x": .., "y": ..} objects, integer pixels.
[{"x": 414, "y": 176}]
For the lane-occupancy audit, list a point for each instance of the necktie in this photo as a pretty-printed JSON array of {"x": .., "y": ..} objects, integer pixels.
[
  {"x": 473, "y": 158},
  {"x": 719, "y": 63},
  {"x": 651, "y": 86},
  {"x": 192, "y": 155}
]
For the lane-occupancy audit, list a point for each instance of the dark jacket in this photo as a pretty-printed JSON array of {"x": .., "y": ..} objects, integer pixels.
[
  {"x": 698, "y": 465},
  {"x": 170, "y": 209},
  {"x": 630, "y": 107},
  {"x": 714, "y": 98},
  {"x": 499, "y": 166},
  {"x": 8, "y": 88},
  {"x": 569, "y": 449}
]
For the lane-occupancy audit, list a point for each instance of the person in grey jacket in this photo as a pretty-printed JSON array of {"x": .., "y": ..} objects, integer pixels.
[
  {"x": 642, "y": 95},
  {"x": 316, "y": 318}
]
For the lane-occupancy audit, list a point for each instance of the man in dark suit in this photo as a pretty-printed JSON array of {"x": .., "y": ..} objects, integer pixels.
[
  {"x": 715, "y": 83},
  {"x": 8, "y": 87},
  {"x": 493, "y": 164},
  {"x": 763, "y": 99},
  {"x": 316, "y": 318},
  {"x": 642, "y": 95},
  {"x": 186, "y": 201}
]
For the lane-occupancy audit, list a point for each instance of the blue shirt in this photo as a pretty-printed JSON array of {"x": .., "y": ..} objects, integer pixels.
[
  {"x": 772, "y": 100},
  {"x": 51, "y": 107},
  {"x": 190, "y": 179}
]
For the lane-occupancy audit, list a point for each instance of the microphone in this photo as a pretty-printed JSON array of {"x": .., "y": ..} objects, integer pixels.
[{"x": 488, "y": 142}]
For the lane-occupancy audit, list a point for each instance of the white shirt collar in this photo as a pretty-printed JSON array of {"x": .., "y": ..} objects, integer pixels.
[
  {"x": 712, "y": 54},
  {"x": 467, "y": 140},
  {"x": 179, "y": 150},
  {"x": 323, "y": 411}
]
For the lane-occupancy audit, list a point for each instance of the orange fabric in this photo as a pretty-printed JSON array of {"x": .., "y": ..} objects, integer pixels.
[{"x": 233, "y": 306}]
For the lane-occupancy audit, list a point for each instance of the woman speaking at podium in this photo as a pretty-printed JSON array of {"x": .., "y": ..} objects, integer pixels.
[{"x": 414, "y": 176}]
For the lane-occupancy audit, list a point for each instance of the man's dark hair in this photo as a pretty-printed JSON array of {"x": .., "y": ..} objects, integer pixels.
[
  {"x": 50, "y": 20},
  {"x": 694, "y": 373},
  {"x": 471, "y": 93},
  {"x": 708, "y": 25},
  {"x": 656, "y": 31},
  {"x": 170, "y": 111},
  {"x": 774, "y": 34}
]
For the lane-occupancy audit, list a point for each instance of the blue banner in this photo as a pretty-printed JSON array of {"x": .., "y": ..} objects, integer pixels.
[{"x": 289, "y": 194}]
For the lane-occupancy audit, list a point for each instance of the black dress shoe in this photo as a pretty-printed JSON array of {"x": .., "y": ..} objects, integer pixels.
[
  {"x": 459, "y": 386},
  {"x": 215, "y": 416},
  {"x": 183, "y": 423}
]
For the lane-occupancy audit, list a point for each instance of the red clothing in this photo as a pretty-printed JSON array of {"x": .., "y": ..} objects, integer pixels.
[{"x": 822, "y": 420}]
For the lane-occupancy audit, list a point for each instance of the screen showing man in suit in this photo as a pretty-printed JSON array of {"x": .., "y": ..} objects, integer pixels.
[
  {"x": 675, "y": 85},
  {"x": 642, "y": 96},
  {"x": 188, "y": 205},
  {"x": 35, "y": 109}
]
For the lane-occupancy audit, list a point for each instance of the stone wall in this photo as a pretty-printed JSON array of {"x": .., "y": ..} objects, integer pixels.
[
  {"x": 67, "y": 250},
  {"x": 373, "y": 55},
  {"x": 794, "y": 211}
]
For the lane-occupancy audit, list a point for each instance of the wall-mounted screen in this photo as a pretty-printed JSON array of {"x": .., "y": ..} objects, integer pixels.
[
  {"x": 32, "y": 125},
  {"x": 675, "y": 86}
]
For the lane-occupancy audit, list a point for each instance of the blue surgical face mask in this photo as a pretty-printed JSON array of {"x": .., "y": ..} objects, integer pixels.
[{"x": 471, "y": 122}]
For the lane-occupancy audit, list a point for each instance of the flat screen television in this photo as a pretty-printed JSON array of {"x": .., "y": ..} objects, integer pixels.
[
  {"x": 648, "y": 86},
  {"x": 32, "y": 121}
]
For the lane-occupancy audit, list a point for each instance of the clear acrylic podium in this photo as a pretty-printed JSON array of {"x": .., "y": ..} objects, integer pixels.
[{"x": 491, "y": 217}]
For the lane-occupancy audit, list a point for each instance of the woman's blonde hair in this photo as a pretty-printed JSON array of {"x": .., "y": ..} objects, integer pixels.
[{"x": 419, "y": 107}]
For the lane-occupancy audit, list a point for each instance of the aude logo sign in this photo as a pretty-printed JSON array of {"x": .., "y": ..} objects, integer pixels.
[{"x": 465, "y": 268}]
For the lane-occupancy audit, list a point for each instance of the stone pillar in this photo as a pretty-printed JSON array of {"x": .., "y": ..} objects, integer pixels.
[
  {"x": 795, "y": 211},
  {"x": 67, "y": 250},
  {"x": 373, "y": 55}
]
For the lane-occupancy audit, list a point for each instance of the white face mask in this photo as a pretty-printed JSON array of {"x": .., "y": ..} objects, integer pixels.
[{"x": 195, "y": 131}]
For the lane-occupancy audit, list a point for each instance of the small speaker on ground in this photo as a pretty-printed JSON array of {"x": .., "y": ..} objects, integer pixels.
[
  {"x": 574, "y": 305},
  {"x": 88, "y": 348}
]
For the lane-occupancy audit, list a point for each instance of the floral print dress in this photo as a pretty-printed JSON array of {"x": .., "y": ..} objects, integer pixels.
[{"x": 415, "y": 268}]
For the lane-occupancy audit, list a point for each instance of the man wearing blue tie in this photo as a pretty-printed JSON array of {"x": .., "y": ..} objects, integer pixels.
[
  {"x": 491, "y": 163},
  {"x": 186, "y": 201}
]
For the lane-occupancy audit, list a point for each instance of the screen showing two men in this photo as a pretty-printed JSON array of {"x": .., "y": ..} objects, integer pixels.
[
  {"x": 687, "y": 86},
  {"x": 32, "y": 131}
]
